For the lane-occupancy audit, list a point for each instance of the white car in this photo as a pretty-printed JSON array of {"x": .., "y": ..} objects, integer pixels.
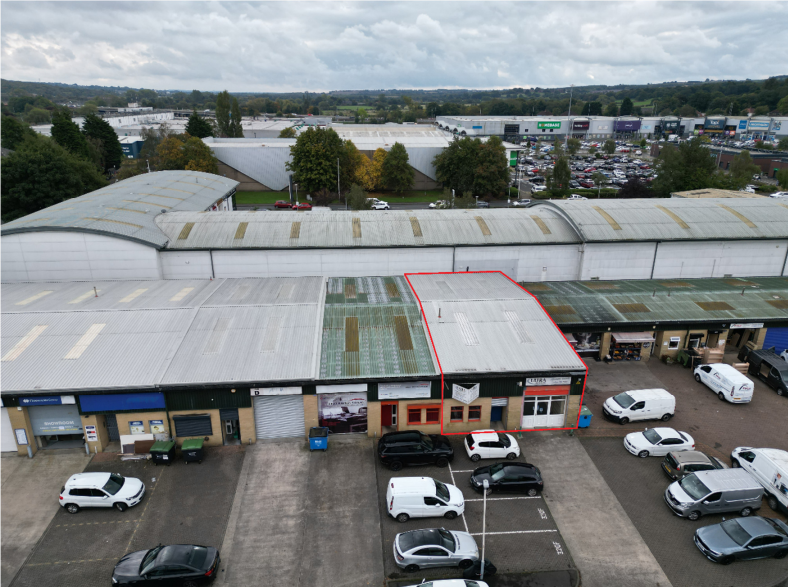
[
  {"x": 489, "y": 444},
  {"x": 101, "y": 490},
  {"x": 779, "y": 195},
  {"x": 521, "y": 203},
  {"x": 380, "y": 206},
  {"x": 452, "y": 583},
  {"x": 577, "y": 197},
  {"x": 438, "y": 204},
  {"x": 657, "y": 442},
  {"x": 784, "y": 355},
  {"x": 538, "y": 188}
]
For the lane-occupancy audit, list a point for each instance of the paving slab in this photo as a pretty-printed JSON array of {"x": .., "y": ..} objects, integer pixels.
[{"x": 30, "y": 489}]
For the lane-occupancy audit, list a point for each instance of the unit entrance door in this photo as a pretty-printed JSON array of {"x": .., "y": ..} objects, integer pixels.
[
  {"x": 544, "y": 411},
  {"x": 388, "y": 414}
]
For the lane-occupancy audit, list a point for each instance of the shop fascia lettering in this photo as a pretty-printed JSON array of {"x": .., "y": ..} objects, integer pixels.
[
  {"x": 550, "y": 124},
  {"x": 548, "y": 381},
  {"x": 465, "y": 394},
  {"x": 410, "y": 390}
]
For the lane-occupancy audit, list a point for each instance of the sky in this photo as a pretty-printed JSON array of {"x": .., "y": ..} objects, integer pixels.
[{"x": 323, "y": 46}]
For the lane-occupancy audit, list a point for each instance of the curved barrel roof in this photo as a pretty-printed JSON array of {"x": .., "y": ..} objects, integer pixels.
[
  {"x": 127, "y": 209},
  {"x": 658, "y": 219},
  {"x": 368, "y": 228}
]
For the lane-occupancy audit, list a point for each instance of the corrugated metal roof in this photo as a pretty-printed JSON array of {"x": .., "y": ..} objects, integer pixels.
[
  {"x": 661, "y": 219},
  {"x": 484, "y": 323},
  {"x": 372, "y": 328},
  {"x": 753, "y": 299},
  {"x": 391, "y": 228},
  {"x": 127, "y": 209},
  {"x": 715, "y": 193}
]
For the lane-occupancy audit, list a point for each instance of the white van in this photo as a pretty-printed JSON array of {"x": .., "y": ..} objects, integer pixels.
[
  {"x": 422, "y": 497},
  {"x": 769, "y": 467},
  {"x": 640, "y": 404},
  {"x": 724, "y": 380}
]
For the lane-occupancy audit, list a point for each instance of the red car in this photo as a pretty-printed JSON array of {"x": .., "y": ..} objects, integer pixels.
[
  {"x": 302, "y": 206},
  {"x": 282, "y": 204},
  {"x": 587, "y": 184},
  {"x": 590, "y": 169}
]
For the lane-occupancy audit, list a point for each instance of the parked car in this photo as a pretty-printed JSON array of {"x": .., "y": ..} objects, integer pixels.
[
  {"x": 729, "y": 384},
  {"x": 657, "y": 442},
  {"x": 482, "y": 204},
  {"x": 680, "y": 464},
  {"x": 587, "y": 183},
  {"x": 769, "y": 466},
  {"x": 640, "y": 404},
  {"x": 576, "y": 197},
  {"x": 283, "y": 204},
  {"x": 767, "y": 366},
  {"x": 177, "y": 564},
  {"x": 714, "y": 492},
  {"x": 302, "y": 206},
  {"x": 489, "y": 444},
  {"x": 453, "y": 583},
  {"x": 434, "y": 547},
  {"x": 438, "y": 204},
  {"x": 423, "y": 497},
  {"x": 743, "y": 539},
  {"x": 509, "y": 477},
  {"x": 398, "y": 449},
  {"x": 101, "y": 490},
  {"x": 538, "y": 188},
  {"x": 380, "y": 206}
]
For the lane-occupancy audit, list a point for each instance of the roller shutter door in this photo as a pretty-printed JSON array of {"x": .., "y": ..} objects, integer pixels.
[
  {"x": 777, "y": 338},
  {"x": 500, "y": 401},
  {"x": 196, "y": 425},
  {"x": 279, "y": 416}
]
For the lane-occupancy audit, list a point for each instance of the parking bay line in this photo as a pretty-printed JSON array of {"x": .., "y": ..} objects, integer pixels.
[
  {"x": 455, "y": 484},
  {"x": 515, "y": 532},
  {"x": 503, "y": 498},
  {"x": 142, "y": 515}
]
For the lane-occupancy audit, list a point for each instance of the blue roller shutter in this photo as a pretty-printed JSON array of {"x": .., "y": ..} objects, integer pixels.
[{"x": 777, "y": 338}]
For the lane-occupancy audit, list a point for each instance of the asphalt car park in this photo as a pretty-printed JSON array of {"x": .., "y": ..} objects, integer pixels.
[
  {"x": 521, "y": 534},
  {"x": 182, "y": 505}
]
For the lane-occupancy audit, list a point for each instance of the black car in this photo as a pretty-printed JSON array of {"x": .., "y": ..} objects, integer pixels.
[
  {"x": 177, "y": 564},
  {"x": 397, "y": 449},
  {"x": 509, "y": 477},
  {"x": 767, "y": 366}
]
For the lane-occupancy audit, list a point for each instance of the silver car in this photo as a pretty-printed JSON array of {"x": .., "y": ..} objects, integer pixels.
[{"x": 434, "y": 547}]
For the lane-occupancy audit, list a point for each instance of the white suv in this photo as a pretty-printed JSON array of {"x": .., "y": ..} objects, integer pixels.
[
  {"x": 101, "y": 490},
  {"x": 489, "y": 444}
]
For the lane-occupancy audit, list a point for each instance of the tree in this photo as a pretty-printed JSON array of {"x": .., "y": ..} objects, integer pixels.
[
  {"x": 573, "y": 145},
  {"x": 561, "y": 175},
  {"x": 314, "y": 159},
  {"x": 287, "y": 133},
  {"x": 40, "y": 173},
  {"x": 782, "y": 105},
  {"x": 741, "y": 170},
  {"x": 687, "y": 111},
  {"x": 643, "y": 143},
  {"x": 198, "y": 126},
  {"x": 626, "y": 107},
  {"x": 98, "y": 129},
  {"x": 599, "y": 179},
  {"x": 592, "y": 150},
  {"x": 782, "y": 178},
  {"x": 783, "y": 144},
  {"x": 13, "y": 132},
  {"x": 491, "y": 170},
  {"x": 357, "y": 198},
  {"x": 398, "y": 175},
  {"x": 455, "y": 164},
  {"x": 687, "y": 167},
  {"x": 67, "y": 134},
  {"x": 223, "y": 114},
  {"x": 611, "y": 110},
  {"x": 37, "y": 116},
  {"x": 634, "y": 188},
  {"x": 236, "y": 129},
  {"x": 609, "y": 146},
  {"x": 373, "y": 173}
]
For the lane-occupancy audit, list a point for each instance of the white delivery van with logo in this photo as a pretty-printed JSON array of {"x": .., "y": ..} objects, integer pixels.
[
  {"x": 724, "y": 380},
  {"x": 769, "y": 467}
]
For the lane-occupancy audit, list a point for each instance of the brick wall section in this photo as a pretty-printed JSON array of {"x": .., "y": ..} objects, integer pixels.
[
  {"x": 246, "y": 422},
  {"x": 373, "y": 419},
  {"x": 145, "y": 417},
  {"x": 20, "y": 419},
  {"x": 310, "y": 413},
  {"x": 514, "y": 412},
  {"x": 572, "y": 409},
  {"x": 100, "y": 422},
  {"x": 465, "y": 425},
  {"x": 216, "y": 426}
]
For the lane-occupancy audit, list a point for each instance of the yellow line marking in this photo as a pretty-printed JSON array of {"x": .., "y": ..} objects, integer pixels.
[
  {"x": 738, "y": 215},
  {"x": 134, "y": 294},
  {"x": 84, "y": 342},
  {"x": 32, "y": 299},
  {"x": 84, "y": 296},
  {"x": 26, "y": 341},
  {"x": 181, "y": 294}
]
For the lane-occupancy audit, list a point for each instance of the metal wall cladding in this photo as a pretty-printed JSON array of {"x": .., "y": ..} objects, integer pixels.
[
  {"x": 208, "y": 399},
  {"x": 530, "y": 263},
  {"x": 675, "y": 219},
  {"x": 720, "y": 258},
  {"x": 262, "y": 161},
  {"x": 279, "y": 416},
  {"x": 633, "y": 261}
]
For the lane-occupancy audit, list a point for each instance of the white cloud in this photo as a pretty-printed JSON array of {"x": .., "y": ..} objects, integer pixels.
[{"x": 296, "y": 46}]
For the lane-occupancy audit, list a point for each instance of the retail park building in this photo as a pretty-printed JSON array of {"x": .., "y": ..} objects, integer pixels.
[{"x": 149, "y": 307}]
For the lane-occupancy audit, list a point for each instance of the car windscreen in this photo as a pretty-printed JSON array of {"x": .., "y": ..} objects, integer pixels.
[
  {"x": 114, "y": 483},
  {"x": 624, "y": 400},
  {"x": 693, "y": 487},
  {"x": 497, "y": 472},
  {"x": 504, "y": 438},
  {"x": 442, "y": 490},
  {"x": 447, "y": 540},
  {"x": 736, "y": 533},
  {"x": 671, "y": 461},
  {"x": 776, "y": 526},
  {"x": 149, "y": 559},
  {"x": 652, "y": 436}
]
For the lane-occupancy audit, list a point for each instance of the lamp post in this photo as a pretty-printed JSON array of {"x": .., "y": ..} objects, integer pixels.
[
  {"x": 566, "y": 137},
  {"x": 486, "y": 486}
]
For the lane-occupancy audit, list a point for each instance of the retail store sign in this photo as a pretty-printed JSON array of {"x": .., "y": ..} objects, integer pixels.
[
  {"x": 136, "y": 427},
  {"x": 156, "y": 426},
  {"x": 275, "y": 391},
  {"x": 556, "y": 124},
  {"x": 465, "y": 394},
  {"x": 548, "y": 381},
  {"x": 21, "y": 436},
  {"x": 47, "y": 400},
  {"x": 753, "y": 325},
  {"x": 91, "y": 433},
  {"x": 410, "y": 390}
]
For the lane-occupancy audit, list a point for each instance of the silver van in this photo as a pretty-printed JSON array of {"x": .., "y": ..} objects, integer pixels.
[{"x": 714, "y": 492}]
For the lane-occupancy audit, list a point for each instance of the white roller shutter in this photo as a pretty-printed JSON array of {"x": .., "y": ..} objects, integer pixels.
[
  {"x": 500, "y": 401},
  {"x": 279, "y": 416}
]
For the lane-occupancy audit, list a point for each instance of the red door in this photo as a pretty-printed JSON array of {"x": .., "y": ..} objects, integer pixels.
[{"x": 385, "y": 415}]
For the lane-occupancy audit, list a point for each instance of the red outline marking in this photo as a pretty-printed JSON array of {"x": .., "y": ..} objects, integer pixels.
[{"x": 432, "y": 342}]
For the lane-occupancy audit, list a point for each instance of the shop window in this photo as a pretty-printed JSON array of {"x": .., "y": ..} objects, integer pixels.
[
  {"x": 456, "y": 413},
  {"x": 474, "y": 413},
  {"x": 414, "y": 415},
  {"x": 674, "y": 342},
  {"x": 433, "y": 416}
]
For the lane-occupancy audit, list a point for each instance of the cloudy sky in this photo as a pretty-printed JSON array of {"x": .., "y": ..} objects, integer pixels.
[{"x": 294, "y": 46}]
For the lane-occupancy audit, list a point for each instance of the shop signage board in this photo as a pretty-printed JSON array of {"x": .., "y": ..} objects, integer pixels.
[
  {"x": 91, "y": 433},
  {"x": 156, "y": 426},
  {"x": 21, "y": 436},
  {"x": 548, "y": 381},
  {"x": 603, "y": 127},
  {"x": 478, "y": 127},
  {"x": 777, "y": 125},
  {"x": 758, "y": 124},
  {"x": 120, "y": 402},
  {"x": 409, "y": 390},
  {"x": 580, "y": 125},
  {"x": 348, "y": 387},
  {"x": 47, "y": 400},
  {"x": 714, "y": 123},
  {"x": 463, "y": 394},
  {"x": 275, "y": 391},
  {"x": 627, "y": 125},
  {"x": 136, "y": 427},
  {"x": 742, "y": 125},
  {"x": 343, "y": 413},
  {"x": 53, "y": 420},
  {"x": 549, "y": 124},
  {"x": 751, "y": 325}
]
